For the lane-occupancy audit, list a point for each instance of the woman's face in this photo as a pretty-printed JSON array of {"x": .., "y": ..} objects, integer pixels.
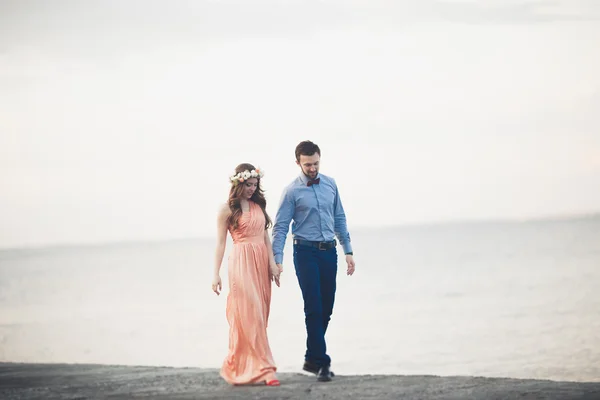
[{"x": 250, "y": 186}]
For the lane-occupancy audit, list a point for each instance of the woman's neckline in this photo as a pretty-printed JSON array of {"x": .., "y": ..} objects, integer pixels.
[{"x": 249, "y": 207}]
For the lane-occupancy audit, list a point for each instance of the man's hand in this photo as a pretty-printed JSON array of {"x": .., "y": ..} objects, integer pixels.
[{"x": 351, "y": 264}]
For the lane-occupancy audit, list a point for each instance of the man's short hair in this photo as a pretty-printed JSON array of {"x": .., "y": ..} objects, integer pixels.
[{"x": 306, "y": 148}]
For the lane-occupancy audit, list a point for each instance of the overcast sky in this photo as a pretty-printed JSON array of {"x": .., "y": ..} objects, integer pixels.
[{"x": 122, "y": 120}]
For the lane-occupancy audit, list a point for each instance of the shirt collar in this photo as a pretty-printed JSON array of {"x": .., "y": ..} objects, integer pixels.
[{"x": 305, "y": 178}]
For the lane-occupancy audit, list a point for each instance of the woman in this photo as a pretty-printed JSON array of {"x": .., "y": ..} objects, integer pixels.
[{"x": 251, "y": 270}]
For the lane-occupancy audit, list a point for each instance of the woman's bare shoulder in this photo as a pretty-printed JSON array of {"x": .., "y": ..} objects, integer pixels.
[{"x": 224, "y": 210}]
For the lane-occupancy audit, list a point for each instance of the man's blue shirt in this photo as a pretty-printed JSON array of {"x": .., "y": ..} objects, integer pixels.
[{"x": 316, "y": 211}]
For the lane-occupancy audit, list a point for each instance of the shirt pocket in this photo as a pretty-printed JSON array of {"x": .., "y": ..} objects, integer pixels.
[
  {"x": 303, "y": 204},
  {"x": 328, "y": 197}
]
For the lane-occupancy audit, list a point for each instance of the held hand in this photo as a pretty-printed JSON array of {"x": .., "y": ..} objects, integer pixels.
[
  {"x": 274, "y": 272},
  {"x": 351, "y": 264},
  {"x": 216, "y": 284}
]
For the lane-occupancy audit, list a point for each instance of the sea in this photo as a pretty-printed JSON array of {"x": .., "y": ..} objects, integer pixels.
[{"x": 516, "y": 299}]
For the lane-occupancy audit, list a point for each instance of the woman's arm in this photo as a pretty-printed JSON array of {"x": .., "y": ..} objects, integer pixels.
[
  {"x": 220, "y": 249},
  {"x": 274, "y": 269},
  {"x": 269, "y": 247}
]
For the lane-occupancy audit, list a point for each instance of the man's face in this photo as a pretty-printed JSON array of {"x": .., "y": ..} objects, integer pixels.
[{"x": 310, "y": 165}]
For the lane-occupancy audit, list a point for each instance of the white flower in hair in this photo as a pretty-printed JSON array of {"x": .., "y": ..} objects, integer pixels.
[{"x": 242, "y": 176}]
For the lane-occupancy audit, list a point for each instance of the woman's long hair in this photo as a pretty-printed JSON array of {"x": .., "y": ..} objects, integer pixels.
[{"x": 235, "y": 194}]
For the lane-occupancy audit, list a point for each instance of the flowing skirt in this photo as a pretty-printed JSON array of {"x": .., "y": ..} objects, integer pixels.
[{"x": 249, "y": 359}]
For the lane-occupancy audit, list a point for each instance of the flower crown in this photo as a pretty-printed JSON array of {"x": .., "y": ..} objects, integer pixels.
[{"x": 242, "y": 176}]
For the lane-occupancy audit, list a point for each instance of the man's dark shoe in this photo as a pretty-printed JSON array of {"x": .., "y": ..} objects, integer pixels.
[
  {"x": 324, "y": 374},
  {"x": 313, "y": 368}
]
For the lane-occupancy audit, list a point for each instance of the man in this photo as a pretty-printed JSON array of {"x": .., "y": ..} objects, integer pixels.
[{"x": 312, "y": 202}]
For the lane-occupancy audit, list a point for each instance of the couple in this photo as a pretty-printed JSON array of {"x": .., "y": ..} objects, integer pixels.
[{"x": 312, "y": 202}]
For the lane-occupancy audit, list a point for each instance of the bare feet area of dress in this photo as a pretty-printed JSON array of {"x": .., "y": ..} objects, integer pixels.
[{"x": 88, "y": 381}]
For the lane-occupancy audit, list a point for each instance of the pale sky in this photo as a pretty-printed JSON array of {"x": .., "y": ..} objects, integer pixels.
[{"x": 122, "y": 120}]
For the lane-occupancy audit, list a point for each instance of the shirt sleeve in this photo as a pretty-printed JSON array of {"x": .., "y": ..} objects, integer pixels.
[
  {"x": 281, "y": 226},
  {"x": 340, "y": 225}
]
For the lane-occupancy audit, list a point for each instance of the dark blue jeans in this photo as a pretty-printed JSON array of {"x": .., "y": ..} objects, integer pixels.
[{"x": 316, "y": 271}]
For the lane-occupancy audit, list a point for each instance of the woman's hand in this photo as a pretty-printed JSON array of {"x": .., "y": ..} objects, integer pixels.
[
  {"x": 274, "y": 272},
  {"x": 216, "y": 284}
]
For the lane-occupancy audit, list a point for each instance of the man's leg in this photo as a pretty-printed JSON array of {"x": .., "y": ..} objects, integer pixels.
[
  {"x": 328, "y": 273},
  {"x": 309, "y": 278}
]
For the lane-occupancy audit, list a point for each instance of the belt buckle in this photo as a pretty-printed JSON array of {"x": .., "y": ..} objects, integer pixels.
[{"x": 322, "y": 246}]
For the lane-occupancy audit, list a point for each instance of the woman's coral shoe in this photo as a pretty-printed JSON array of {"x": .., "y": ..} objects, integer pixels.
[{"x": 273, "y": 382}]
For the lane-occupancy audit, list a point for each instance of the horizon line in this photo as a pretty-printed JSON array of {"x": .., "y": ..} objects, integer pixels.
[{"x": 357, "y": 228}]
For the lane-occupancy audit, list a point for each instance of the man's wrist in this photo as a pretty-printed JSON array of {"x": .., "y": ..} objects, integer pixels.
[{"x": 349, "y": 253}]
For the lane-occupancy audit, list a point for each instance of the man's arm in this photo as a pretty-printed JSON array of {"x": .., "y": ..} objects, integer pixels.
[
  {"x": 341, "y": 231},
  {"x": 340, "y": 225},
  {"x": 284, "y": 216}
]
